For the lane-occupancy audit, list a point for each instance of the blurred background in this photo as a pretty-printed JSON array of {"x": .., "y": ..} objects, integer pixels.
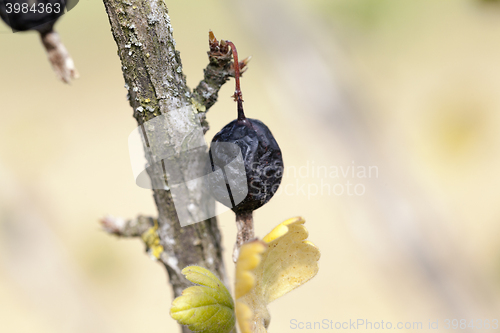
[{"x": 409, "y": 88}]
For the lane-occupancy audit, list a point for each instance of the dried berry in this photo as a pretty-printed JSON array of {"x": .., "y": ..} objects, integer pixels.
[
  {"x": 41, "y": 15},
  {"x": 261, "y": 156},
  {"x": 23, "y": 15}
]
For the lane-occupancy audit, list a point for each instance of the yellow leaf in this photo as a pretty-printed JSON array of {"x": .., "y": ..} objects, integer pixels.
[
  {"x": 264, "y": 273},
  {"x": 245, "y": 316},
  {"x": 248, "y": 259},
  {"x": 207, "y": 308},
  {"x": 289, "y": 262}
]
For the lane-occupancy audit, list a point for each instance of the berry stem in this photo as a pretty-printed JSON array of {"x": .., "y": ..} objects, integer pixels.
[
  {"x": 238, "y": 97},
  {"x": 244, "y": 223},
  {"x": 59, "y": 58}
]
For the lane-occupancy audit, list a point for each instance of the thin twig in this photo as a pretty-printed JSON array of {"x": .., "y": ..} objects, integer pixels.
[
  {"x": 127, "y": 228},
  {"x": 59, "y": 57},
  {"x": 244, "y": 223},
  {"x": 217, "y": 72}
]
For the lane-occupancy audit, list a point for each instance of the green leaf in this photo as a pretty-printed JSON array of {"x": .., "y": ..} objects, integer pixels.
[{"x": 207, "y": 308}]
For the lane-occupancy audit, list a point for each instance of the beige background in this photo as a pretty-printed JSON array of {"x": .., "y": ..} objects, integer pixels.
[{"x": 411, "y": 87}]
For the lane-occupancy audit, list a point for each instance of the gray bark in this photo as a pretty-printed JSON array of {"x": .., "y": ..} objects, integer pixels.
[{"x": 153, "y": 74}]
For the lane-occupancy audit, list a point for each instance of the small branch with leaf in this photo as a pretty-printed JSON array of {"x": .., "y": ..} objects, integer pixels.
[{"x": 246, "y": 169}]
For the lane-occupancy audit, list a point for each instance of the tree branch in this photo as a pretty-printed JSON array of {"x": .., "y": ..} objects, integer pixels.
[
  {"x": 130, "y": 228},
  {"x": 156, "y": 85}
]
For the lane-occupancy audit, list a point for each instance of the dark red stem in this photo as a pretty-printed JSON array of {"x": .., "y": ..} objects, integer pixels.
[{"x": 237, "y": 93}]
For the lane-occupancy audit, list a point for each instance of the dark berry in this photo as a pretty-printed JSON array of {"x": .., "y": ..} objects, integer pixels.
[
  {"x": 261, "y": 157},
  {"x": 41, "y": 15},
  {"x": 254, "y": 186},
  {"x": 22, "y": 15}
]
